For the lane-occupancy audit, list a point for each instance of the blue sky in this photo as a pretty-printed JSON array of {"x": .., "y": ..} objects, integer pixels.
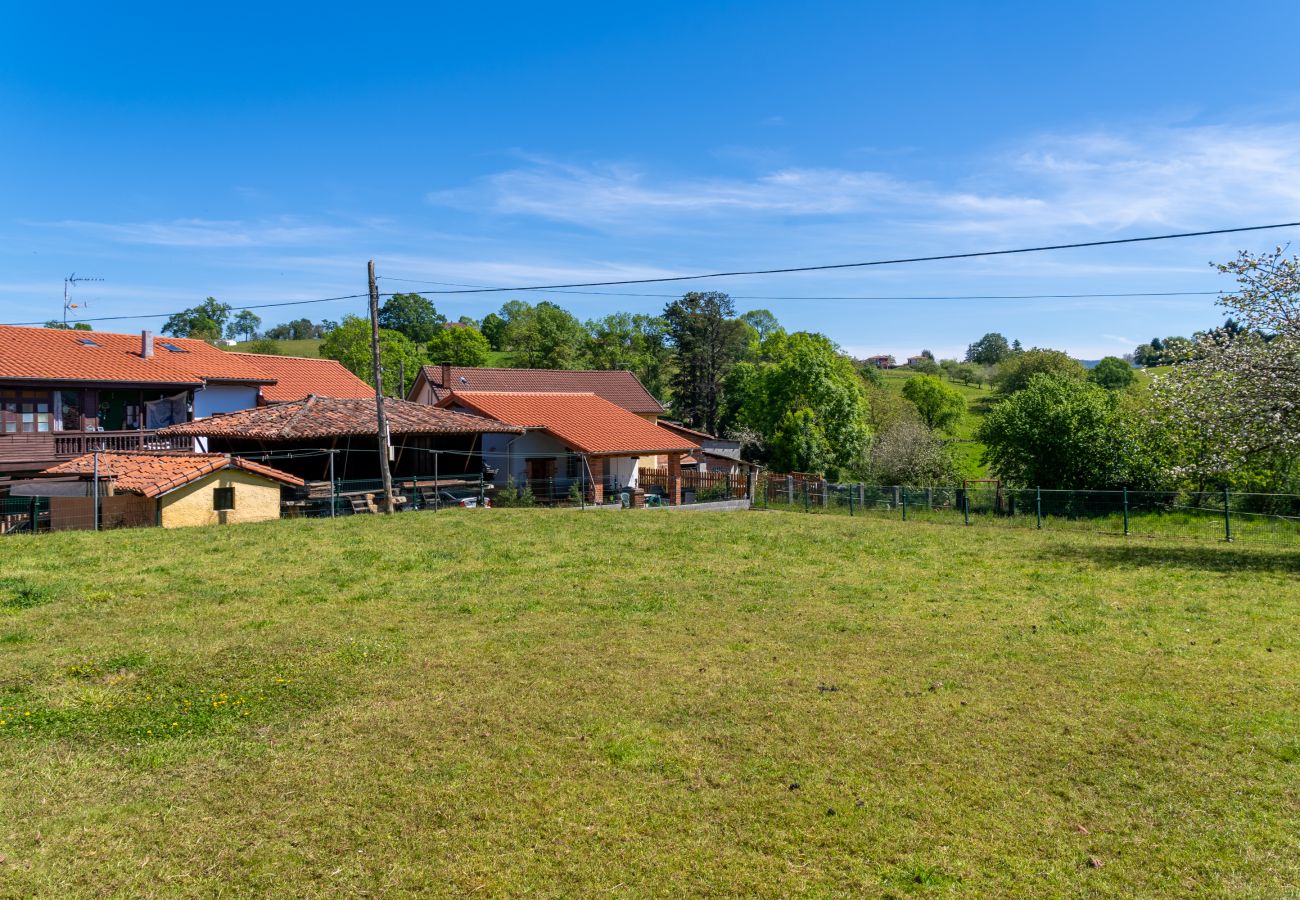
[{"x": 261, "y": 154}]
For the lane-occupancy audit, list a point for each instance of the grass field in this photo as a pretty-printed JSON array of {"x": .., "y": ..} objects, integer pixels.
[
  {"x": 968, "y": 452},
  {"x": 560, "y": 703},
  {"x": 310, "y": 348}
]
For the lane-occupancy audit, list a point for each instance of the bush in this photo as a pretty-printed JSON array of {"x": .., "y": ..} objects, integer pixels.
[
  {"x": 264, "y": 346},
  {"x": 515, "y": 495}
]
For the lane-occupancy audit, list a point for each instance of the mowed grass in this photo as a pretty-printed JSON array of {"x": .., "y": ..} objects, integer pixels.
[
  {"x": 566, "y": 703},
  {"x": 309, "y": 348}
]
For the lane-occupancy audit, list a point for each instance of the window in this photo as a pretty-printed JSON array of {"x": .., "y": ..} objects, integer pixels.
[
  {"x": 171, "y": 347},
  {"x": 87, "y": 342},
  {"x": 25, "y": 412},
  {"x": 223, "y": 498}
]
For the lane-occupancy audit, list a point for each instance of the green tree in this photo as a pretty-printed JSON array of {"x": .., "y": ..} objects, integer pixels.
[
  {"x": 807, "y": 401},
  {"x": 762, "y": 321},
  {"x": 459, "y": 346},
  {"x": 989, "y": 350},
  {"x": 58, "y": 325},
  {"x": 299, "y": 330},
  {"x": 939, "y": 406},
  {"x": 638, "y": 343},
  {"x": 493, "y": 329},
  {"x": 411, "y": 315},
  {"x": 1014, "y": 372},
  {"x": 909, "y": 453},
  {"x": 708, "y": 341},
  {"x": 207, "y": 321},
  {"x": 545, "y": 336},
  {"x": 1062, "y": 432},
  {"x": 245, "y": 322},
  {"x": 264, "y": 346},
  {"x": 350, "y": 345},
  {"x": 1112, "y": 373}
]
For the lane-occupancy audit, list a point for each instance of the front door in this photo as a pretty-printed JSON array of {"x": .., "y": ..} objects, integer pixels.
[{"x": 540, "y": 474}]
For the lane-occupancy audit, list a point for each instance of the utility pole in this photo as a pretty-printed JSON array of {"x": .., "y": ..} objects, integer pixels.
[{"x": 379, "y": 393}]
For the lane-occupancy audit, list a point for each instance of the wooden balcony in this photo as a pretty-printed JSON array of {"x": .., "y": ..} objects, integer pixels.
[{"x": 36, "y": 451}]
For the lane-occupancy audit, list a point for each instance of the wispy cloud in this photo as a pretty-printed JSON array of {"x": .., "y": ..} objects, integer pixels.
[{"x": 209, "y": 233}]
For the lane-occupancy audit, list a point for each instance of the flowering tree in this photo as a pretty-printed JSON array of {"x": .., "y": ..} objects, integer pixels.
[{"x": 1234, "y": 396}]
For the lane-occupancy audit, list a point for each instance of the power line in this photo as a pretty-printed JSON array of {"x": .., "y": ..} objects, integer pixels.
[
  {"x": 168, "y": 315},
  {"x": 875, "y": 262}
]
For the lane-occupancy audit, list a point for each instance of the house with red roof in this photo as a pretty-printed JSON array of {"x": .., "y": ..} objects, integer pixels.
[
  {"x": 64, "y": 393},
  {"x": 569, "y": 438},
  {"x": 434, "y": 384}
]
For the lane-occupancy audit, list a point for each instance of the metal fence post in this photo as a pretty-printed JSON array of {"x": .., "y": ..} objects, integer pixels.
[
  {"x": 852, "y": 491},
  {"x": 1227, "y": 516},
  {"x": 904, "y": 503},
  {"x": 1126, "y": 510},
  {"x": 965, "y": 505},
  {"x": 1038, "y": 507},
  {"x": 807, "y": 504}
]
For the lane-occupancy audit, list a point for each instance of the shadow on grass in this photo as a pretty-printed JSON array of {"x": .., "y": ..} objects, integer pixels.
[{"x": 1206, "y": 558}]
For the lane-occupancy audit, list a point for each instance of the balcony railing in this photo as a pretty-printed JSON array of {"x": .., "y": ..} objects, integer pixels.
[{"x": 60, "y": 445}]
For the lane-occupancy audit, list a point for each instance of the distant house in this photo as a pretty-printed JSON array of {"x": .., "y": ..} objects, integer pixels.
[
  {"x": 168, "y": 489},
  {"x": 715, "y": 454},
  {"x": 426, "y": 440},
  {"x": 568, "y": 438},
  {"x": 435, "y": 383},
  {"x": 917, "y": 360},
  {"x": 881, "y": 362}
]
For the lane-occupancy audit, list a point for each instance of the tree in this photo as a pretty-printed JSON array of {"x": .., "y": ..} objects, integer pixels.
[
  {"x": 459, "y": 346},
  {"x": 762, "y": 321},
  {"x": 207, "y": 321},
  {"x": 300, "y": 330},
  {"x": 264, "y": 346},
  {"x": 1233, "y": 399},
  {"x": 909, "y": 453},
  {"x": 245, "y": 322},
  {"x": 75, "y": 326},
  {"x": 940, "y": 406},
  {"x": 924, "y": 365},
  {"x": 350, "y": 345},
  {"x": 544, "y": 336},
  {"x": 638, "y": 343},
  {"x": 989, "y": 350},
  {"x": 1062, "y": 432},
  {"x": 1015, "y": 372},
  {"x": 1112, "y": 373},
  {"x": 493, "y": 329},
  {"x": 806, "y": 399},
  {"x": 708, "y": 343},
  {"x": 411, "y": 315}
]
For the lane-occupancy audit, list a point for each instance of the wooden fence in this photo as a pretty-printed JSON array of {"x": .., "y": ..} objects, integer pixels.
[{"x": 704, "y": 485}]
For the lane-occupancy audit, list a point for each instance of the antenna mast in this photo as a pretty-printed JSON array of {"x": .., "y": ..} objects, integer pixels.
[{"x": 68, "y": 282}]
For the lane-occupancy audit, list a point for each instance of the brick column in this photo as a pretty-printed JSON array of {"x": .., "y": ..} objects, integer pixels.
[
  {"x": 597, "y": 479},
  {"x": 675, "y": 479}
]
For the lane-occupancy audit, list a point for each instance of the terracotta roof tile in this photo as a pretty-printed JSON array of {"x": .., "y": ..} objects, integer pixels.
[
  {"x": 617, "y": 386},
  {"x": 297, "y": 377},
  {"x": 50, "y": 354},
  {"x": 155, "y": 474},
  {"x": 320, "y": 417},
  {"x": 585, "y": 422}
]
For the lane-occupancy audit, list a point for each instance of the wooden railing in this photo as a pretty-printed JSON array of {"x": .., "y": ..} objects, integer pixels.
[
  {"x": 714, "y": 485},
  {"x": 60, "y": 445}
]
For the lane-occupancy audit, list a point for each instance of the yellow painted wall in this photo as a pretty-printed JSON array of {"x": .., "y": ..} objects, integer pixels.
[{"x": 256, "y": 499}]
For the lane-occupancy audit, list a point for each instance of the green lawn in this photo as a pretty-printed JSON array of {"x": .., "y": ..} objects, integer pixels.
[
  {"x": 558, "y": 703},
  {"x": 967, "y": 450},
  {"x": 309, "y": 347}
]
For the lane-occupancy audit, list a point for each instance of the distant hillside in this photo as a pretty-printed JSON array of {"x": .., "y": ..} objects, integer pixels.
[
  {"x": 967, "y": 450},
  {"x": 287, "y": 348}
]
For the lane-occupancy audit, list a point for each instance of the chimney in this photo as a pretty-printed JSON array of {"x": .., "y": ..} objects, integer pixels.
[
  {"x": 146, "y": 344},
  {"x": 446, "y": 376}
]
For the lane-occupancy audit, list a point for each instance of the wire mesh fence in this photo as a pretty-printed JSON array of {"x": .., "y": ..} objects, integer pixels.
[{"x": 1200, "y": 515}]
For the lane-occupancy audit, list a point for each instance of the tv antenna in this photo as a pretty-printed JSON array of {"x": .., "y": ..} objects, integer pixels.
[{"x": 68, "y": 283}]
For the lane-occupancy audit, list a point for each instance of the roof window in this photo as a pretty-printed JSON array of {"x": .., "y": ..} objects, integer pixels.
[
  {"x": 87, "y": 342},
  {"x": 166, "y": 345}
]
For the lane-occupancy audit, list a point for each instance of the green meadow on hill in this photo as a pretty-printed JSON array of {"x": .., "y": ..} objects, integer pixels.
[{"x": 558, "y": 703}]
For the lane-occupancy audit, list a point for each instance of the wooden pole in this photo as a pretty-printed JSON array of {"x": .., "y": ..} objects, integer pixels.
[{"x": 381, "y": 420}]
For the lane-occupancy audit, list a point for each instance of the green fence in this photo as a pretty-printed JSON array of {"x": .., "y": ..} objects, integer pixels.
[{"x": 1203, "y": 515}]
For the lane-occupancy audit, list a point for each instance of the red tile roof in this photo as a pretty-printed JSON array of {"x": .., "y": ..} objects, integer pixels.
[
  {"x": 50, "y": 354},
  {"x": 297, "y": 377},
  {"x": 155, "y": 474},
  {"x": 617, "y": 386},
  {"x": 322, "y": 417},
  {"x": 585, "y": 422}
]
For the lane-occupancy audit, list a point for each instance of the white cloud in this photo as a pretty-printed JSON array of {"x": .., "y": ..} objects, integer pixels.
[{"x": 209, "y": 233}]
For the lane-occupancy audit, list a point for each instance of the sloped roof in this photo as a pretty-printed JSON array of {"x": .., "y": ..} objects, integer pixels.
[
  {"x": 51, "y": 354},
  {"x": 155, "y": 474},
  {"x": 619, "y": 387},
  {"x": 297, "y": 377},
  {"x": 323, "y": 417},
  {"x": 585, "y": 422}
]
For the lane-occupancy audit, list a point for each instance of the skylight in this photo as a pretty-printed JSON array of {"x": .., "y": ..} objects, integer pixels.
[
  {"x": 87, "y": 342},
  {"x": 172, "y": 347}
]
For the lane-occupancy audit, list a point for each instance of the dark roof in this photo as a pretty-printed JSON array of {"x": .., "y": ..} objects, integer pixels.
[
  {"x": 318, "y": 417},
  {"x": 158, "y": 473},
  {"x": 619, "y": 386},
  {"x": 585, "y": 422},
  {"x": 55, "y": 354}
]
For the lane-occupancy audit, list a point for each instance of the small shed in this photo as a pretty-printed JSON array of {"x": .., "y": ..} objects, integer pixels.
[{"x": 167, "y": 489}]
